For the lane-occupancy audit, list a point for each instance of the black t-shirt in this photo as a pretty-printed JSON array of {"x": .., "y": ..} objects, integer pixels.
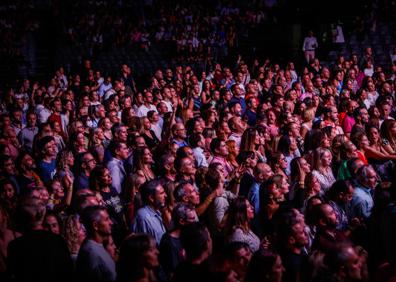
[
  {"x": 39, "y": 256},
  {"x": 170, "y": 253},
  {"x": 187, "y": 271}
]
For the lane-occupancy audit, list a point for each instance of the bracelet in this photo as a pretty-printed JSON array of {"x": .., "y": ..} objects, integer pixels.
[{"x": 301, "y": 183}]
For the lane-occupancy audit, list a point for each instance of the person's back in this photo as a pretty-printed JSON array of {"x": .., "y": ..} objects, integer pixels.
[
  {"x": 39, "y": 256},
  {"x": 94, "y": 263}
]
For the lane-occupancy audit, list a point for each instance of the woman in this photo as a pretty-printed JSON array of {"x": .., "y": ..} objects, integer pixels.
[
  {"x": 253, "y": 141},
  {"x": 312, "y": 189},
  {"x": 289, "y": 148},
  {"x": 322, "y": 170},
  {"x": 143, "y": 161},
  {"x": 279, "y": 163},
  {"x": 272, "y": 122},
  {"x": 100, "y": 181},
  {"x": 308, "y": 117},
  {"x": 78, "y": 143},
  {"x": 96, "y": 144},
  {"x": 65, "y": 162},
  {"x": 265, "y": 265},
  {"x": 138, "y": 259},
  {"x": 299, "y": 168},
  {"x": 58, "y": 199},
  {"x": 105, "y": 124},
  {"x": 240, "y": 214},
  {"x": 233, "y": 151},
  {"x": 388, "y": 134},
  {"x": 74, "y": 234},
  {"x": 148, "y": 134},
  {"x": 377, "y": 155}
]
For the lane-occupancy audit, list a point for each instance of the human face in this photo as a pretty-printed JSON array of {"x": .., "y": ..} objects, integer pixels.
[
  {"x": 146, "y": 124},
  {"x": 326, "y": 159},
  {"x": 52, "y": 224},
  {"x": 148, "y": 157},
  {"x": 277, "y": 270},
  {"x": 80, "y": 139},
  {"x": 103, "y": 226},
  {"x": 151, "y": 256},
  {"x": 249, "y": 210},
  {"x": 315, "y": 185},
  {"x": 192, "y": 195},
  {"x": 50, "y": 148},
  {"x": 8, "y": 192},
  {"x": 373, "y": 135},
  {"x": 123, "y": 152},
  {"x": 305, "y": 167},
  {"x": 372, "y": 178},
  {"x": 282, "y": 162},
  {"x": 223, "y": 150},
  {"x": 284, "y": 189},
  {"x": 330, "y": 215},
  {"x": 90, "y": 162},
  {"x": 123, "y": 134},
  {"x": 160, "y": 197},
  {"x": 300, "y": 236},
  {"x": 353, "y": 265},
  {"x": 106, "y": 177},
  {"x": 58, "y": 189},
  {"x": 188, "y": 167},
  {"x": 111, "y": 248}
]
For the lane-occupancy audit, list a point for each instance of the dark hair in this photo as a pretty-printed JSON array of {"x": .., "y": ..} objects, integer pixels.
[
  {"x": 131, "y": 262},
  {"x": 340, "y": 186},
  {"x": 215, "y": 144},
  {"x": 261, "y": 266},
  {"x": 194, "y": 238},
  {"x": 148, "y": 189},
  {"x": 90, "y": 215},
  {"x": 95, "y": 181}
]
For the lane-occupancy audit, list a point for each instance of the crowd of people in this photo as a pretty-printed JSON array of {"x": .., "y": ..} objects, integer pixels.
[
  {"x": 194, "y": 30},
  {"x": 238, "y": 174}
]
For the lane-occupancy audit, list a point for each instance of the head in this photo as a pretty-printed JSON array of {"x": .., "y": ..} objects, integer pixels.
[
  {"x": 97, "y": 222},
  {"x": 196, "y": 241},
  {"x": 153, "y": 194},
  {"x": 139, "y": 251},
  {"x": 265, "y": 265}
]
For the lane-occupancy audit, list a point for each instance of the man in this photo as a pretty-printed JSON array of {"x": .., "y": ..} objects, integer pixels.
[
  {"x": 292, "y": 240},
  {"x": 197, "y": 142},
  {"x": 326, "y": 221},
  {"x": 262, "y": 172},
  {"x": 147, "y": 106},
  {"x": 179, "y": 134},
  {"x": 120, "y": 153},
  {"x": 27, "y": 177},
  {"x": 250, "y": 114},
  {"x": 237, "y": 128},
  {"x": 85, "y": 163},
  {"x": 185, "y": 168},
  {"x": 186, "y": 193},
  {"x": 197, "y": 243},
  {"x": 94, "y": 263},
  {"x": 348, "y": 121},
  {"x": 46, "y": 165},
  {"x": 345, "y": 263},
  {"x": 148, "y": 218},
  {"x": 171, "y": 251},
  {"x": 100, "y": 113},
  {"x": 26, "y": 135},
  {"x": 220, "y": 152},
  {"x": 309, "y": 46},
  {"x": 38, "y": 255},
  {"x": 362, "y": 199},
  {"x": 331, "y": 119},
  {"x": 238, "y": 97},
  {"x": 56, "y": 107},
  {"x": 362, "y": 119}
]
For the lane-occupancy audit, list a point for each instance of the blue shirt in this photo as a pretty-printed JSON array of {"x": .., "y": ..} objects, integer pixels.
[
  {"x": 149, "y": 221},
  {"x": 46, "y": 170},
  {"x": 254, "y": 197},
  {"x": 362, "y": 202}
]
